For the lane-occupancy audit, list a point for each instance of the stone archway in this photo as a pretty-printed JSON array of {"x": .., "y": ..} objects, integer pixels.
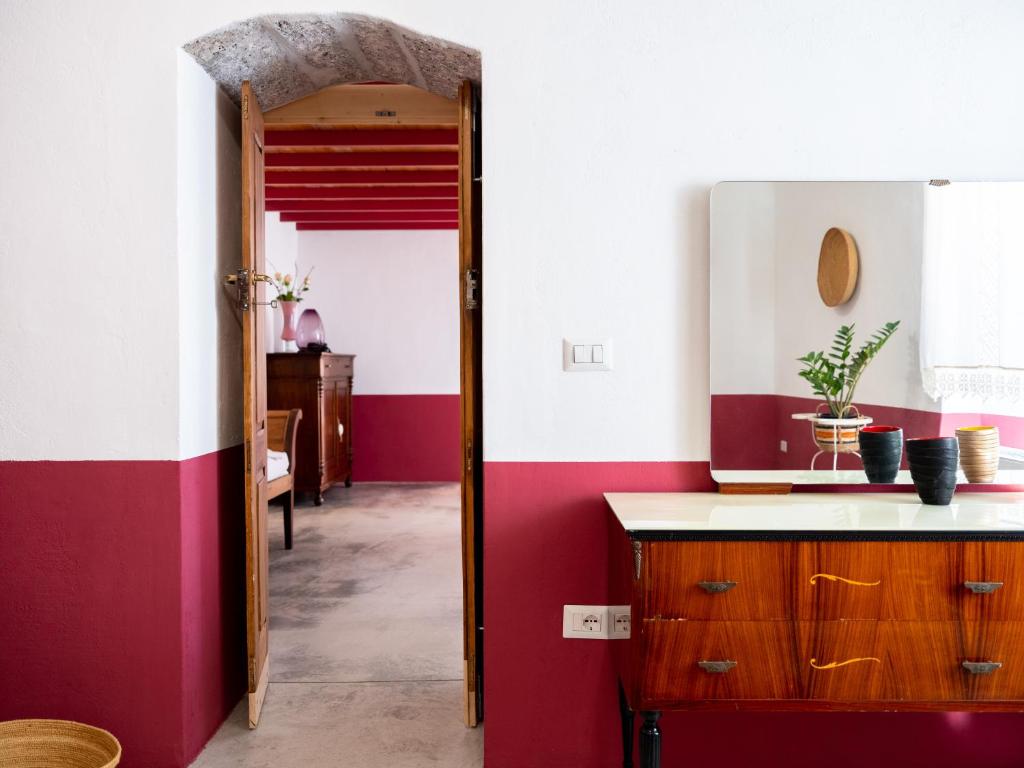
[{"x": 290, "y": 56}]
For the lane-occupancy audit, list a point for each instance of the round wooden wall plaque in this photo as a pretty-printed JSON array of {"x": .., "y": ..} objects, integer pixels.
[{"x": 837, "y": 267}]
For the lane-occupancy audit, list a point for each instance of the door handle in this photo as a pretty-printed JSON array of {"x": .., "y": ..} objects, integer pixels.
[
  {"x": 716, "y": 667},
  {"x": 982, "y": 667},
  {"x": 983, "y": 587},
  {"x": 716, "y": 587}
]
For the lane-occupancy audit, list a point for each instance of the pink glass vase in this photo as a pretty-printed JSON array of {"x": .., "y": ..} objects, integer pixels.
[{"x": 289, "y": 317}]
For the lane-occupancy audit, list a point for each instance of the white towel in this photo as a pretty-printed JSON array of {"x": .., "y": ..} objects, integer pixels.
[{"x": 277, "y": 464}]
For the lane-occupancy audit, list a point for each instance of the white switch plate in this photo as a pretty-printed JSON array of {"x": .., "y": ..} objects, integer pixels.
[
  {"x": 586, "y": 355},
  {"x": 596, "y": 622}
]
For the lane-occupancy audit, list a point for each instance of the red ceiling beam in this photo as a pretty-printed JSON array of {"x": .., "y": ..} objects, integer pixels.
[
  {"x": 370, "y": 216},
  {"x": 395, "y": 192},
  {"x": 363, "y": 137},
  {"x": 360, "y": 159},
  {"x": 361, "y": 177},
  {"x": 437, "y": 204},
  {"x": 414, "y": 225}
]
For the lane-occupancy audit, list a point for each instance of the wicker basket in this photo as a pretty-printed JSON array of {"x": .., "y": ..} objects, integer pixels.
[{"x": 56, "y": 744}]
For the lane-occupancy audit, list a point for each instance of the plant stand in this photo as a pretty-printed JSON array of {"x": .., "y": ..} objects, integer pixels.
[{"x": 834, "y": 436}]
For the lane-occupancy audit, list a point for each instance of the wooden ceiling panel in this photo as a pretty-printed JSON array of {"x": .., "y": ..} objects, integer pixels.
[
  {"x": 387, "y": 225},
  {"x": 366, "y": 192},
  {"x": 438, "y": 204},
  {"x": 373, "y": 156},
  {"x": 370, "y": 216}
]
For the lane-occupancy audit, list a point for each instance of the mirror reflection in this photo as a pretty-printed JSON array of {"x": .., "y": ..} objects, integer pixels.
[{"x": 860, "y": 326}]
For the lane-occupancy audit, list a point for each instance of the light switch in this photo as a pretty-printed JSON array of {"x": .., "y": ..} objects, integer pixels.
[{"x": 586, "y": 355}]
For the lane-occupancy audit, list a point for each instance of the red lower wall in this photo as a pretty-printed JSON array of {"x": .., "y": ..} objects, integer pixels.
[
  {"x": 89, "y": 621},
  {"x": 552, "y": 703},
  {"x": 123, "y": 598},
  {"x": 212, "y": 592},
  {"x": 406, "y": 438},
  {"x": 122, "y": 607},
  {"x": 747, "y": 430}
]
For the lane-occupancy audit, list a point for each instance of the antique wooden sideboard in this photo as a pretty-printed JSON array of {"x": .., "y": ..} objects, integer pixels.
[
  {"x": 816, "y": 602},
  {"x": 321, "y": 385}
]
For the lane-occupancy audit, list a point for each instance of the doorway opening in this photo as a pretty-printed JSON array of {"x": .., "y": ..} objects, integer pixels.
[{"x": 351, "y": 147}]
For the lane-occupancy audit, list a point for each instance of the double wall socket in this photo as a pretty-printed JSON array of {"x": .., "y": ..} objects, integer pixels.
[{"x": 596, "y": 622}]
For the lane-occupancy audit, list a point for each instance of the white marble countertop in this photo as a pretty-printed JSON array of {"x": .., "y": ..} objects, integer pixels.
[{"x": 854, "y": 513}]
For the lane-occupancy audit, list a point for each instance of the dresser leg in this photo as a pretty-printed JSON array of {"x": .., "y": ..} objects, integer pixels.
[
  {"x": 318, "y": 498},
  {"x": 627, "y": 729},
  {"x": 650, "y": 741}
]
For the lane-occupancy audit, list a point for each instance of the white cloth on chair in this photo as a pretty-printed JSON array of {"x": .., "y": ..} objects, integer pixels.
[{"x": 277, "y": 464}]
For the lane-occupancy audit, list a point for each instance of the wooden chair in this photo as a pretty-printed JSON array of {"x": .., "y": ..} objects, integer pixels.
[{"x": 281, "y": 429}]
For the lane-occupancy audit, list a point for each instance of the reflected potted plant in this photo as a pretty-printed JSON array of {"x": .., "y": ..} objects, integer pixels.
[{"x": 834, "y": 376}]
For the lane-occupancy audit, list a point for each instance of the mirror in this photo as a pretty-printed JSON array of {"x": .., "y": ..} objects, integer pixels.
[{"x": 805, "y": 277}]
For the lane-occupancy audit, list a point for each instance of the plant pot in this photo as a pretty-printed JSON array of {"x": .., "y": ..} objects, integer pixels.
[
  {"x": 933, "y": 464},
  {"x": 881, "y": 451}
]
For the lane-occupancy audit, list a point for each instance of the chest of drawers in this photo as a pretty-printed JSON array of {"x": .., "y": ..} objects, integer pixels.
[
  {"x": 815, "y": 602},
  {"x": 320, "y": 384}
]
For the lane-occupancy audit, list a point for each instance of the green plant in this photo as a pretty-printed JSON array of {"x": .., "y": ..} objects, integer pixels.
[{"x": 834, "y": 376}]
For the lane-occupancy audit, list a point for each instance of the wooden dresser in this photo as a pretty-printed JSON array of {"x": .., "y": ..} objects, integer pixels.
[
  {"x": 816, "y": 602},
  {"x": 321, "y": 385}
]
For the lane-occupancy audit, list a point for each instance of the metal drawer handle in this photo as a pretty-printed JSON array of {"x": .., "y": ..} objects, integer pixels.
[
  {"x": 715, "y": 587},
  {"x": 982, "y": 667},
  {"x": 716, "y": 667},
  {"x": 983, "y": 587}
]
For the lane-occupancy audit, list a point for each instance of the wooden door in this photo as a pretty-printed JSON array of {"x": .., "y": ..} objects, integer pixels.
[
  {"x": 254, "y": 371},
  {"x": 470, "y": 280}
]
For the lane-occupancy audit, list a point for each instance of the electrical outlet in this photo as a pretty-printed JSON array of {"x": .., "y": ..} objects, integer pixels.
[
  {"x": 620, "y": 621},
  {"x": 596, "y": 622},
  {"x": 783, "y": 446}
]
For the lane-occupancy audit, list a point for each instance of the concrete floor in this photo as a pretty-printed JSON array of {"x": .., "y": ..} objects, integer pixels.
[{"x": 365, "y": 638}]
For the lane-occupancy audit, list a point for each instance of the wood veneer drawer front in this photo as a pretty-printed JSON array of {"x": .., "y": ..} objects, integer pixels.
[
  {"x": 910, "y": 581},
  {"x": 996, "y": 571},
  {"x": 717, "y": 580},
  {"x": 911, "y": 661},
  {"x": 756, "y": 658},
  {"x": 334, "y": 366}
]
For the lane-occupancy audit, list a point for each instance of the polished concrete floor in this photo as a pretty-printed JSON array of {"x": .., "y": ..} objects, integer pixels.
[{"x": 365, "y": 638}]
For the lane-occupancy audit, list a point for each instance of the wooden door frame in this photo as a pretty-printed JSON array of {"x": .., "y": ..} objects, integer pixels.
[{"x": 471, "y": 393}]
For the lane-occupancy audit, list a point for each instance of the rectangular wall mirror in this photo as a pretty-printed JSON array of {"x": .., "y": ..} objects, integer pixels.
[{"x": 794, "y": 262}]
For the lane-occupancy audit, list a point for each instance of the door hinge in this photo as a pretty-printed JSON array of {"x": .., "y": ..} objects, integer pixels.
[
  {"x": 472, "y": 288},
  {"x": 248, "y": 456},
  {"x": 245, "y": 106},
  {"x": 469, "y": 457}
]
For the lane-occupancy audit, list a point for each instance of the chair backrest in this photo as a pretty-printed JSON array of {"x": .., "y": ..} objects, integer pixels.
[{"x": 282, "y": 427}]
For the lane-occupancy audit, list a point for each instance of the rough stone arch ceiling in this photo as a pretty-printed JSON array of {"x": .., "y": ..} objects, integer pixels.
[{"x": 290, "y": 56}]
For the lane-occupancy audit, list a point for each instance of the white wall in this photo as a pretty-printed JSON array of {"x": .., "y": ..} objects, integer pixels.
[
  {"x": 887, "y": 224},
  {"x": 391, "y": 298},
  {"x": 282, "y": 250},
  {"x": 606, "y": 126},
  {"x": 209, "y": 243}
]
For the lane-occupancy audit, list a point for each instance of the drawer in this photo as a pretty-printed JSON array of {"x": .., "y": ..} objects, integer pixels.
[
  {"x": 996, "y": 641},
  {"x": 739, "y": 581},
  {"x": 335, "y": 366},
  {"x": 760, "y": 655},
  {"x": 909, "y": 661},
  {"x": 999, "y": 565},
  {"x": 910, "y": 581}
]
